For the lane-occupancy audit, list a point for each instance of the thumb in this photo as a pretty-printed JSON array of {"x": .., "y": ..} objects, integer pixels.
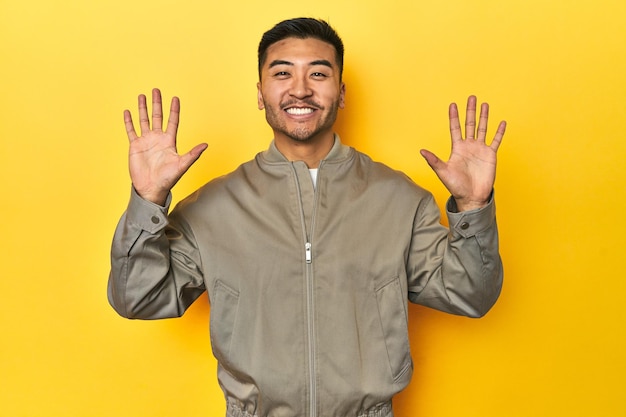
[
  {"x": 435, "y": 163},
  {"x": 192, "y": 156}
]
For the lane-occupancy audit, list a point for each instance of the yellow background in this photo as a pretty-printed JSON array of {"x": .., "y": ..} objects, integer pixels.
[{"x": 555, "y": 70}]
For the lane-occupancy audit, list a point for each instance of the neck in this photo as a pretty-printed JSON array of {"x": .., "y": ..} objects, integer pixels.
[{"x": 311, "y": 151}]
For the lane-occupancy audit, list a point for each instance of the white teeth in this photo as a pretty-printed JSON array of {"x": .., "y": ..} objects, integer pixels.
[{"x": 299, "y": 111}]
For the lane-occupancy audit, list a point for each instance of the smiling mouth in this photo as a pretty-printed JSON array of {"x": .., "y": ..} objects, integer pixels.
[{"x": 298, "y": 111}]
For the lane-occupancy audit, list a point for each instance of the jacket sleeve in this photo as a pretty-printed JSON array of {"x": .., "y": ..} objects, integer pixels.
[
  {"x": 458, "y": 272},
  {"x": 156, "y": 270}
]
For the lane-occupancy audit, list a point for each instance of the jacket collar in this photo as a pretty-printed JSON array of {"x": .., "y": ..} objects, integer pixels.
[{"x": 338, "y": 152}]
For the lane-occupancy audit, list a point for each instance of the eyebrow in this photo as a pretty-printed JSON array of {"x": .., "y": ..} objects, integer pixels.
[{"x": 312, "y": 63}]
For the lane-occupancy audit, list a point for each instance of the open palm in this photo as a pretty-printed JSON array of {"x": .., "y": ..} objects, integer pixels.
[
  {"x": 470, "y": 172},
  {"x": 154, "y": 163}
]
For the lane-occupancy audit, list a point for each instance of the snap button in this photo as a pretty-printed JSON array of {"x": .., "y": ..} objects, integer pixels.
[
  {"x": 155, "y": 220},
  {"x": 464, "y": 225}
]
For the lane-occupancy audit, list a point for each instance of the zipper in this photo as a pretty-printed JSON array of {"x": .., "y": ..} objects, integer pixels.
[
  {"x": 312, "y": 341},
  {"x": 310, "y": 307},
  {"x": 307, "y": 252}
]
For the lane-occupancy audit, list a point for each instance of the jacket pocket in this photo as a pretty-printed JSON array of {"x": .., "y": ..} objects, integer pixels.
[
  {"x": 224, "y": 308},
  {"x": 393, "y": 320}
]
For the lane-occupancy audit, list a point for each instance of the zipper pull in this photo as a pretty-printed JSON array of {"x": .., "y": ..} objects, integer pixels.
[{"x": 307, "y": 252}]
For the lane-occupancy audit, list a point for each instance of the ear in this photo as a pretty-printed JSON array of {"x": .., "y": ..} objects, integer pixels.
[
  {"x": 260, "y": 102},
  {"x": 342, "y": 96}
]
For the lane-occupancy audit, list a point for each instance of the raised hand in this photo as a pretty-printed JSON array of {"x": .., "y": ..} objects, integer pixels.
[
  {"x": 470, "y": 172},
  {"x": 154, "y": 163}
]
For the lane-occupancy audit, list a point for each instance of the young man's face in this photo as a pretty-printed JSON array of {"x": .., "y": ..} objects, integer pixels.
[{"x": 300, "y": 89}]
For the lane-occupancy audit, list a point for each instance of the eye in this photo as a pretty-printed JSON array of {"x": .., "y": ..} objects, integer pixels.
[
  {"x": 281, "y": 74},
  {"x": 318, "y": 75}
]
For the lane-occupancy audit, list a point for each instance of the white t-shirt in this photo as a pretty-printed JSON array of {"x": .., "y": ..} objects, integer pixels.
[{"x": 313, "y": 172}]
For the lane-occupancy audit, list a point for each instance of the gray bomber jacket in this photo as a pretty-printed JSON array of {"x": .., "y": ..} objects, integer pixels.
[{"x": 308, "y": 288}]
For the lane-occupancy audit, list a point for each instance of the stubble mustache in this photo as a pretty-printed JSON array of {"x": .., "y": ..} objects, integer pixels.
[{"x": 301, "y": 103}]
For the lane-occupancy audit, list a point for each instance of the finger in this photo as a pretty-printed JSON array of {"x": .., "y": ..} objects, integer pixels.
[
  {"x": 433, "y": 161},
  {"x": 455, "y": 123},
  {"x": 192, "y": 156},
  {"x": 470, "y": 118},
  {"x": 130, "y": 128},
  {"x": 144, "y": 120},
  {"x": 481, "y": 134},
  {"x": 157, "y": 110},
  {"x": 497, "y": 139},
  {"x": 172, "y": 121}
]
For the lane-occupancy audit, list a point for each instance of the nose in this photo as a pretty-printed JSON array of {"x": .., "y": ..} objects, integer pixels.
[{"x": 300, "y": 87}]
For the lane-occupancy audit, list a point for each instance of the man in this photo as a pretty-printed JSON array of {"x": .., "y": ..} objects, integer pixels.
[{"x": 310, "y": 252}]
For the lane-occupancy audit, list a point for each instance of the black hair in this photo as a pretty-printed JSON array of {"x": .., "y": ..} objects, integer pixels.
[{"x": 301, "y": 28}]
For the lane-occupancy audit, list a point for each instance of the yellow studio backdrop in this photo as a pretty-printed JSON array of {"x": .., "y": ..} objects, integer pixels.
[{"x": 554, "y": 343}]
